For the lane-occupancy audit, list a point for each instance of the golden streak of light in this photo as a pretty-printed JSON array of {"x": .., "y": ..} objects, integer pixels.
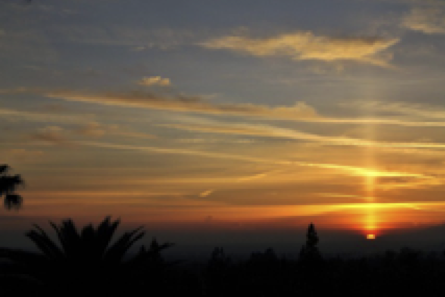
[
  {"x": 336, "y": 195},
  {"x": 350, "y": 216},
  {"x": 366, "y": 172}
]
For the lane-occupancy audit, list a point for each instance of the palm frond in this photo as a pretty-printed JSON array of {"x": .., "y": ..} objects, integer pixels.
[
  {"x": 68, "y": 237},
  {"x": 90, "y": 245},
  {"x": 10, "y": 183},
  {"x": 13, "y": 201},
  {"x": 104, "y": 234},
  {"x": 4, "y": 169},
  {"x": 45, "y": 244},
  {"x": 116, "y": 252}
]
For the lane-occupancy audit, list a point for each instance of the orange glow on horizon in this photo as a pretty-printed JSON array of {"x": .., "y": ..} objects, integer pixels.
[{"x": 362, "y": 217}]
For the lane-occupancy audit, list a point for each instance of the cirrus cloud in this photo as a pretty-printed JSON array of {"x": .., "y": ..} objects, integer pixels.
[
  {"x": 51, "y": 134},
  {"x": 428, "y": 20},
  {"x": 304, "y": 45},
  {"x": 300, "y": 110},
  {"x": 155, "y": 81}
]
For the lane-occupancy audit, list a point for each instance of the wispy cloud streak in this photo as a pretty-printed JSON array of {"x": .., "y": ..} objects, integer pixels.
[
  {"x": 351, "y": 170},
  {"x": 428, "y": 20},
  {"x": 276, "y": 132},
  {"x": 304, "y": 45},
  {"x": 300, "y": 111}
]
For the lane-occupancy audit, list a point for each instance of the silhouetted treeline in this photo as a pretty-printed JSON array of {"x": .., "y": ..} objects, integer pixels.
[
  {"x": 402, "y": 273},
  {"x": 86, "y": 262}
]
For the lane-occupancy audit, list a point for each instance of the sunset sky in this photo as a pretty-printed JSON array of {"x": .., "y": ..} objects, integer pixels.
[{"x": 225, "y": 115}]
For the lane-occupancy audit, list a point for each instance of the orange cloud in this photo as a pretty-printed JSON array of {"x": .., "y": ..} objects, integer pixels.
[{"x": 52, "y": 134}]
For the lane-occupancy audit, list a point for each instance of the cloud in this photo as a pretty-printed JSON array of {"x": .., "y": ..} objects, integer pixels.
[
  {"x": 410, "y": 109},
  {"x": 92, "y": 129},
  {"x": 304, "y": 45},
  {"x": 428, "y": 20},
  {"x": 21, "y": 115},
  {"x": 378, "y": 121},
  {"x": 206, "y": 193},
  {"x": 254, "y": 177},
  {"x": 25, "y": 154},
  {"x": 187, "y": 104},
  {"x": 53, "y": 134},
  {"x": 136, "y": 38},
  {"x": 300, "y": 111},
  {"x": 335, "y": 195},
  {"x": 404, "y": 183},
  {"x": 155, "y": 81},
  {"x": 350, "y": 170},
  {"x": 132, "y": 134},
  {"x": 97, "y": 130},
  {"x": 276, "y": 132},
  {"x": 177, "y": 151},
  {"x": 367, "y": 172}
]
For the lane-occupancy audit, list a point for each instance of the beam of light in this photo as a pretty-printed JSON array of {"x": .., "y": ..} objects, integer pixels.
[{"x": 370, "y": 179}]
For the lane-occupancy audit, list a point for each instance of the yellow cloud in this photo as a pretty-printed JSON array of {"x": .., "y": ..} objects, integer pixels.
[
  {"x": 188, "y": 104},
  {"x": 21, "y": 115},
  {"x": 300, "y": 111},
  {"x": 95, "y": 129},
  {"x": 253, "y": 177},
  {"x": 367, "y": 172},
  {"x": 307, "y": 46},
  {"x": 276, "y": 132},
  {"x": 428, "y": 20},
  {"x": 155, "y": 81},
  {"x": 410, "y": 109},
  {"x": 206, "y": 193}
]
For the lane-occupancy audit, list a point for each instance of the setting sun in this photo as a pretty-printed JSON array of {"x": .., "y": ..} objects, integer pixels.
[{"x": 370, "y": 236}]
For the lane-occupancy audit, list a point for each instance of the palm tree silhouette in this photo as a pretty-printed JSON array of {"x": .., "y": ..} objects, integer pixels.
[
  {"x": 90, "y": 247},
  {"x": 89, "y": 259},
  {"x": 8, "y": 185}
]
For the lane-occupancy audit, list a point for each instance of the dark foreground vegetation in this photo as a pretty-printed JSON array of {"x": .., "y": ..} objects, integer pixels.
[{"x": 88, "y": 262}]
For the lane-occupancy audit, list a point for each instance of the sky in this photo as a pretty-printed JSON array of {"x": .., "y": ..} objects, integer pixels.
[{"x": 207, "y": 121}]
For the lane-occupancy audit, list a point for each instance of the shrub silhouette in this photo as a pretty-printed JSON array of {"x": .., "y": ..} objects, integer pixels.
[{"x": 8, "y": 185}]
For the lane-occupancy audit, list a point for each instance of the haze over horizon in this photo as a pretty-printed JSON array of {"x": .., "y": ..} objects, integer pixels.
[{"x": 237, "y": 122}]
